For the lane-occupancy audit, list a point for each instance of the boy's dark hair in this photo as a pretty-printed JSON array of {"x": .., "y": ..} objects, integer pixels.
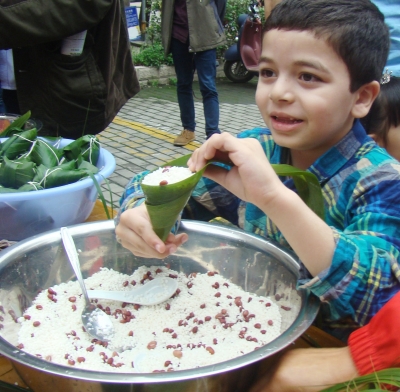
[
  {"x": 385, "y": 111},
  {"x": 355, "y": 29}
]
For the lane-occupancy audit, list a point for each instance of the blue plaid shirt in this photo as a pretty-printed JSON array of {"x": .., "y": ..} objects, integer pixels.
[{"x": 361, "y": 189}]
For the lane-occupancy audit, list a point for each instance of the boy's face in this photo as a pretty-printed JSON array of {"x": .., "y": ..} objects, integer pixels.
[{"x": 303, "y": 94}]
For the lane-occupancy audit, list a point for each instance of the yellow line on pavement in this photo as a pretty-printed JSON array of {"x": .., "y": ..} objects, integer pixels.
[{"x": 155, "y": 132}]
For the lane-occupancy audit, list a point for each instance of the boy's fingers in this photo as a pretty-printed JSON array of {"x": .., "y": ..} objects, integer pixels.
[{"x": 213, "y": 148}]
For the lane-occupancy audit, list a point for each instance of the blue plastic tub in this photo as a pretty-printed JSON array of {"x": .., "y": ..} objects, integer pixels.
[{"x": 24, "y": 214}]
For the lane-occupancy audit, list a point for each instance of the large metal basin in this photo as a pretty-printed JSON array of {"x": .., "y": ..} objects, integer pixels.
[{"x": 254, "y": 264}]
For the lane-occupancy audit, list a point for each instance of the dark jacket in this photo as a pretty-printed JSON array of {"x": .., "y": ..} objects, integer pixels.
[
  {"x": 71, "y": 95},
  {"x": 206, "y": 30}
]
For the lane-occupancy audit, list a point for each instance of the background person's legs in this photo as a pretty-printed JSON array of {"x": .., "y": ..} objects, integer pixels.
[
  {"x": 183, "y": 62},
  {"x": 207, "y": 73},
  {"x": 2, "y": 107}
]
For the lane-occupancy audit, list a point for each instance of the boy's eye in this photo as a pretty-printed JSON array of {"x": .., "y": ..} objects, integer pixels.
[
  {"x": 307, "y": 77},
  {"x": 267, "y": 73}
]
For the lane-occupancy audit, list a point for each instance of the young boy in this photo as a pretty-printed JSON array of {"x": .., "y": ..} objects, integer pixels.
[
  {"x": 375, "y": 346},
  {"x": 320, "y": 69}
]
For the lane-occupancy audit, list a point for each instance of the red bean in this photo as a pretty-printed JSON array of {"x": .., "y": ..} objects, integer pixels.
[
  {"x": 210, "y": 350},
  {"x": 152, "y": 345}
]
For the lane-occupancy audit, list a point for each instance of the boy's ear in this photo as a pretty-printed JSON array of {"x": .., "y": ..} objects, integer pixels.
[{"x": 365, "y": 97}]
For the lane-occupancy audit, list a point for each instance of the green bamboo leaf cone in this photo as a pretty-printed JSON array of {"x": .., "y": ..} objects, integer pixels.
[{"x": 164, "y": 203}]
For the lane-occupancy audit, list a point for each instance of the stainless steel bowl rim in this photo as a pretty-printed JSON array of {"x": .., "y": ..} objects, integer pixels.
[{"x": 279, "y": 343}]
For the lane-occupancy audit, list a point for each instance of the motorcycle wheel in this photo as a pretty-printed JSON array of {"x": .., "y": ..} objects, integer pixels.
[{"x": 236, "y": 72}]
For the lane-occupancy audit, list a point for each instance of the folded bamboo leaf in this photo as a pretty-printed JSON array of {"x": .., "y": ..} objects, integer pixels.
[
  {"x": 164, "y": 216},
  {"x": 68, "y": 165},
  {"x": 14, "y": 174},
  {"x": 56, "y": 176},
  {"x": 40, "y": 173},
  {"x": 88, "y": 167},
  {"x": 17, "y": 144},
  {"x": 87, "y": 147},
  {"x": 163, "y": 194},
  {"x": 7, "y": 190},
  {"x": 164, "y": 203},
  {"x": 30, "y": 187},
  {"x": 307, "y": 186},
  {"x": 43, "y": 153},
  {"x": 17, "y": 125}
]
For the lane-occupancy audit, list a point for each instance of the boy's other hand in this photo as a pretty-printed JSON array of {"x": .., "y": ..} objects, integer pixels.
[
  {"x": 308, "y": 370},
  {"x": 136, "y": 234},
  {"x": 252, "y": 178}
]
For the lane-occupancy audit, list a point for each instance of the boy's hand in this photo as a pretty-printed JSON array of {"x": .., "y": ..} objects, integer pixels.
[
  {"x": 136, "y": 234},
  {"x": 308, "y": 370},
  {"x": 252, "y": 178}
]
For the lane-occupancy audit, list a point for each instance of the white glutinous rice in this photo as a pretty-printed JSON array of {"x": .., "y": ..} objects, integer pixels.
[
  {"x": 208, "y": 320},
  {"x": 167, "y": 175}
]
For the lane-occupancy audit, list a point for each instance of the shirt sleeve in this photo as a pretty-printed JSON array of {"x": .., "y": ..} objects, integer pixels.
[
  {"x": 376, "y": 346},
  {"x": 365, "y": 271},
  {"x": 132, "y": 197}
]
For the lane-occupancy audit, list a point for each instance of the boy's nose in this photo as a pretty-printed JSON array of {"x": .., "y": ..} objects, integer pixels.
[{"x": 281, "y": 91}]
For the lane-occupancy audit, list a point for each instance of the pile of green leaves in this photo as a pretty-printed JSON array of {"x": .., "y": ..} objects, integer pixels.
[
  {"x": 29, "y": 163},
  {"x": 382, "y": 380}
]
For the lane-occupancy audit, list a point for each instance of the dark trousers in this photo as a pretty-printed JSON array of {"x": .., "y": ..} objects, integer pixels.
[
  {"x": 2, "y": 107},
  {"x": 205, "y": 64}
]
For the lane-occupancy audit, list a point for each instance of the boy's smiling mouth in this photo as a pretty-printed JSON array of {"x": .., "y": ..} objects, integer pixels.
[
  {"x": 282, "y": 122},
  {"x": 286, "y": 120}
]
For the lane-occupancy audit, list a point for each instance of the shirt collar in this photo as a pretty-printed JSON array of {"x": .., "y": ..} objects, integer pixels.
[{"x": 328, "y": 164}]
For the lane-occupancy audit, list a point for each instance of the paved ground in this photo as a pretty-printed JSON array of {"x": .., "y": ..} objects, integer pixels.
[{"x": 141, "y": 136}]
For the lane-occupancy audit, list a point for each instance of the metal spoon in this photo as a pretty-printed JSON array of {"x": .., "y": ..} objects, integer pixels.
[
  {"x": 97, "y": 323},
  {"x": 154, "y": 292}
]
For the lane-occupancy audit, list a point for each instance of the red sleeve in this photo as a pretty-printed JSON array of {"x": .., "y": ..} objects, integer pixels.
[{"x": 376, "y": 346}]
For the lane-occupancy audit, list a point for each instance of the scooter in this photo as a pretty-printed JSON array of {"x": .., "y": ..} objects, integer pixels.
[{"x": 234, "y": 67}]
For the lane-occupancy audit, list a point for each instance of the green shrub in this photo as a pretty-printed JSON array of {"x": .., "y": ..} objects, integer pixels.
[
  {"x": 172, "y": 81},
  {"x": 152, "y": 56},
  {"x": 154, "y": 83},
  {"x": 152, "y": 53}
]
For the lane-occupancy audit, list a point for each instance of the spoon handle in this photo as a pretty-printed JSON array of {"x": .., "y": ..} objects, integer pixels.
[{"x": 72, "y": 253}]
